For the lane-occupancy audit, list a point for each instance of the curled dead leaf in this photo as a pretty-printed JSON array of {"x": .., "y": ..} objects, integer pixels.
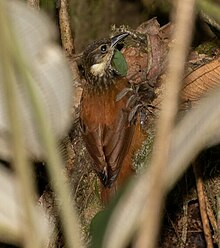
[
  {"x": 146, "y": 58},
  {"x": 201, "y": 81},
  {"x": 137, "y": 64}
]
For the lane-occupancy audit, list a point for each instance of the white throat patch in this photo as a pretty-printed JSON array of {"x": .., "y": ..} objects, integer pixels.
[{"x": 98, "y": 69}]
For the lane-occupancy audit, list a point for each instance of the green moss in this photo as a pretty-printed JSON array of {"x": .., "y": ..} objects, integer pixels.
[
  {"x": 143, "y": 156},
  {"x": 208, "y": 47}
]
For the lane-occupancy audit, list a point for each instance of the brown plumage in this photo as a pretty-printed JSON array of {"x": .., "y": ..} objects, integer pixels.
[{"x": 107, "y": 132}]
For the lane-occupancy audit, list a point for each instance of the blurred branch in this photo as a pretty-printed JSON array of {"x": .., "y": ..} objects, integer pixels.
[
  {"x": 149, "y": 191},
  {"x": 54, "y": 162},
  {"x": 178, "y": 53},
  {"x": 199, "y": 129},
  {"x": 210, "y": 8},
  {"x": 21, "y": 165},
  {"x": 12, "y": 214},
  {"x": 209, "y": 20},
  {"x": 35, "y": 4},
  {"x": 45, "y": 131},
  {"x": 11, "y": 224}
]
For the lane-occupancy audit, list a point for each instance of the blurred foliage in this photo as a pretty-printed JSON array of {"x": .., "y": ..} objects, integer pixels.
[
  {"x": 100, "y": 221},
  {"x": 157, "y": 6},
  {"x": 211, "y": 8},
  {"x": 92, "y": 19},
  {"x": 49, "y": 6}
]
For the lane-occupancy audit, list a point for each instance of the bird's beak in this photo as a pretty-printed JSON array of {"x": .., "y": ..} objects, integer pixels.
[{"x": 117, "y": 38}]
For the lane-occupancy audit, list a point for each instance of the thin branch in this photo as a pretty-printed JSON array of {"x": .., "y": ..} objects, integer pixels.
[
  {"x": 180, "y": 239},
  {"x": 212, "y": 218},
  {"x": 68, "y": 45},
  {"x": 210, "y": 8},
  {"x": 185, "y": 225},
  {"x": 149, "y": 229},
  {"x": 210, "y": 20},
  {"x": 202, "y": 205},
  {"x": 67, "y": 37},
  {"x": 65, "y": 29},
  {"x": 218, "y": 218}
]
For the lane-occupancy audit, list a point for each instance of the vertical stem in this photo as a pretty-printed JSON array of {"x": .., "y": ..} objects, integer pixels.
[
  {"x": 218, "y": 218},
  {"x": 22, "y": 168},
  {"x": 149, "y": 228},
  {"x": 68, "y": 44},
  {"x": 202, "y": 204},
  {"x": 60, "y": 185},
  {"x": 55, "y": 165},
  {"x": 65, "y": 28},
  {"x": 55, "y": 168}
]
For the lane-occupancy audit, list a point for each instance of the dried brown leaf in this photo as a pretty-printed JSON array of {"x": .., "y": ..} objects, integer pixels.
[
  {"x": 200, "y": 81},
  {"x": 146, "y": 58}
]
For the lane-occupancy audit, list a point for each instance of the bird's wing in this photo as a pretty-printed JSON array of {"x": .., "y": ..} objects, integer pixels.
[
  {"x": 108, "y": 145},
  {"x": 116, "y": 143}
]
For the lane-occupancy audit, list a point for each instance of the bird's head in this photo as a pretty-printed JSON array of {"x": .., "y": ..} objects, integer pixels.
[{"x": 97, "y": 61}]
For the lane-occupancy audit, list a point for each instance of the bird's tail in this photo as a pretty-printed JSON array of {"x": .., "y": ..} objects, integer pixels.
[{"x": 108, "y": 193}]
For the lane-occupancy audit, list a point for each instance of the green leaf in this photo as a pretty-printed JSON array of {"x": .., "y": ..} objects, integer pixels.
[
  {"x": 119, "y": 63},
  {"x": 100, "y": 221}
]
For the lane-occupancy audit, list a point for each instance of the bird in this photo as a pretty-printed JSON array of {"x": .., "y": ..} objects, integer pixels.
[{"x": 109, "y": 135}]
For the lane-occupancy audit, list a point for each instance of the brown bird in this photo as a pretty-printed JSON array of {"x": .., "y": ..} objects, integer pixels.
[{"x": 107, "y": 131}]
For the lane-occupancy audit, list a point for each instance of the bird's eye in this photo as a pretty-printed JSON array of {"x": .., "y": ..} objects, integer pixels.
[{"x": 103, "y": 48}]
